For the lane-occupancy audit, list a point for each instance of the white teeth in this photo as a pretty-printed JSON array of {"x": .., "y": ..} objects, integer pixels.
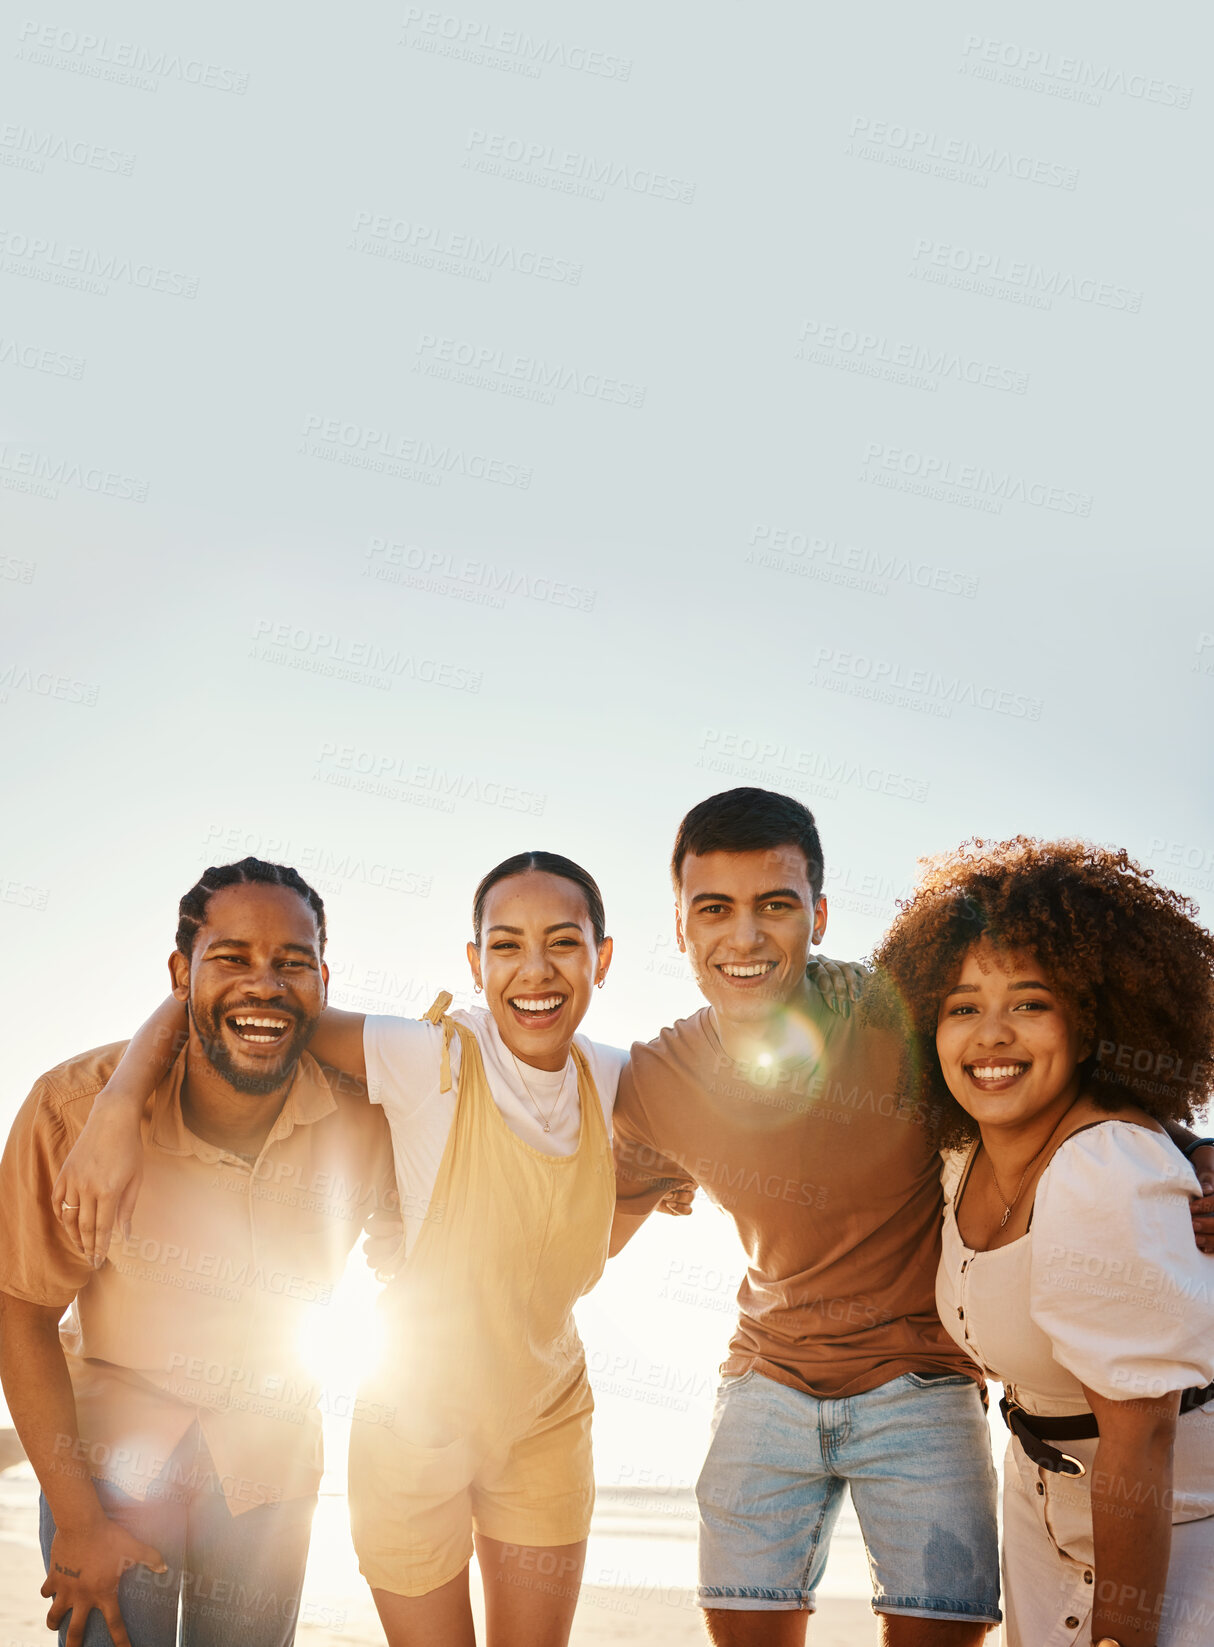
[
  {"x": 548, "y": 1004},
  {"x": 747, "y": 971},
  {"x": 260, "y": 1023},
  {"x": 997, "y": 1072}
]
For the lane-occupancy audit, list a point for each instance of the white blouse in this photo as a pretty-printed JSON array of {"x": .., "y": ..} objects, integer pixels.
[{"x": 1107, "y": 1289}]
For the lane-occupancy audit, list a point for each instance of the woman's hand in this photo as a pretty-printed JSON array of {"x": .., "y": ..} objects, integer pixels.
[
  {"x": 839, "y": 983},
  {"x": 98, "y": 1184}
]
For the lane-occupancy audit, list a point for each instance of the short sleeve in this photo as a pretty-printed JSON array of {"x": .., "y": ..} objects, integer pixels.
[
  {"x": 1118, "y": 1283},
  {"x": 37, "y": 1261},
  {"x": 952, "y": 1167},
  {"x": 403, "y": 1057},
  {"x": 606, "y": 1065},
  {"x": 643, "y": 1173}
]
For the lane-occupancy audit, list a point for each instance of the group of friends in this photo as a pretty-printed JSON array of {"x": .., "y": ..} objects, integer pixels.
[{"x": 968, "y": 1162}]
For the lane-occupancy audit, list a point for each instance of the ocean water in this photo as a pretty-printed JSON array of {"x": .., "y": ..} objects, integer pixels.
[{"x": 647, "y": 1537}]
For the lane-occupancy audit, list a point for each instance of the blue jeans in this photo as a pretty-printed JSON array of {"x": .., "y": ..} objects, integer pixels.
[
  {"x": 238, "y": 1578},
  {"x": 916, "y": 1454}
]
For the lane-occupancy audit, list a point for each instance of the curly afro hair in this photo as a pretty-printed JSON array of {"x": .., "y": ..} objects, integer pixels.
[{"x": 1125, "y": 954}]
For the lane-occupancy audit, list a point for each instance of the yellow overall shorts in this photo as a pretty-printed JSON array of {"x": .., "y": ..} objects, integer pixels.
[{"x": 483, "y": 1375}]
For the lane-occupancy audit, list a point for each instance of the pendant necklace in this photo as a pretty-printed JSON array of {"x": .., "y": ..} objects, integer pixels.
[
  {"x": 545, "y": 1120},
  {"x": 1008, "y": 1205}
]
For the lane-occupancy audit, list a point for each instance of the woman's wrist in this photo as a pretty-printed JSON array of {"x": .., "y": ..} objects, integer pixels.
[{"x": 119, "y": 1099}]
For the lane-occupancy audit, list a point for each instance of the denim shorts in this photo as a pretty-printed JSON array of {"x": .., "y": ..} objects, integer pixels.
[{"x": 916, "y": 1454}]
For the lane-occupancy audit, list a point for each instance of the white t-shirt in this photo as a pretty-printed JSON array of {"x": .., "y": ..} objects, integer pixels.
[{"x": 404, "y": 1059}]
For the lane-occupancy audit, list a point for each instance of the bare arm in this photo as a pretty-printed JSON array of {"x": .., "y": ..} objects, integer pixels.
[
  {"x": 1202, "y": 1161},
  {"x": 98, "y": 1184},
  {"x": 90, "y": 1552},
  {"x": 1131, "y": 1515},
  {"x": 623, "y": 1227}
]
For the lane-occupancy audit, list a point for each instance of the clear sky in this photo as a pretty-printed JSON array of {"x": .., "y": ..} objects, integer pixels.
[{"x": 429, "y": 435}]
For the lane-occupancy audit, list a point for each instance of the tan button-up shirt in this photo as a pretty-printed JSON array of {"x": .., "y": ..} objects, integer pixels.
[{"x": 197, "y": 1315}]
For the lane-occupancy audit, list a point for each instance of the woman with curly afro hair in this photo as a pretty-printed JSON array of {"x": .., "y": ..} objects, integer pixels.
[{"x": 1060, "y": 1007}]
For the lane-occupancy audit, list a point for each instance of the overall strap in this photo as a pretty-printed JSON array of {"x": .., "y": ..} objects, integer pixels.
[
  {"x": 588, "y": 1092},
  {"x": 437, "y": 1014}
]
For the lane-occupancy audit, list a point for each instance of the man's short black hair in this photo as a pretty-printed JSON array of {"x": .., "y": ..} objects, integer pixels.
[
  {"x": 748, "y": 820},
  {"x": 192, "y": 910}
]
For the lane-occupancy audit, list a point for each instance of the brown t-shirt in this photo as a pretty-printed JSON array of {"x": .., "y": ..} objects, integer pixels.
[{"x": 834, "y": 1187}]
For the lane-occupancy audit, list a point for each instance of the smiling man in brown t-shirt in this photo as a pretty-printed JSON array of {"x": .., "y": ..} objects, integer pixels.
[{"x": 796, "y": 1122}]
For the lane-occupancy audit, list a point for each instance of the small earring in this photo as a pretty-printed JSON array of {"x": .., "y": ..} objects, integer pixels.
[
  {"x": 600, "y": 983},
  {"x": 477, "y": 988}
]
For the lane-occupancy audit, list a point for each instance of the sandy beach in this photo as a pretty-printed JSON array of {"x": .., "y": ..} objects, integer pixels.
[{"x": 337, "y": 1609}]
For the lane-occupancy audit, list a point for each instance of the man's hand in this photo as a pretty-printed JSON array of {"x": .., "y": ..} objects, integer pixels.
[
  {"x": 839, "y": 983},
  {"x": 98, "y": 1184},
  {"x": 384, "y": 1247},
  {"x": 84, "y": 1571},
  {"x": 1203, "y": 1211},
  {"x": 678, "y": 1201}
]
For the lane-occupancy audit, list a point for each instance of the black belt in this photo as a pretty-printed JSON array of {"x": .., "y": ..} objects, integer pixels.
[{"x": 1034, "y": 1434}]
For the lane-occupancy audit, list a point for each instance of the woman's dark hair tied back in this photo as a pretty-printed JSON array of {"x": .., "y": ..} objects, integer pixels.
[{"x": 547, "y": 863}]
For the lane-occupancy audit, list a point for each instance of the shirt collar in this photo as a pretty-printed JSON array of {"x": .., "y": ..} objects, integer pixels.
[{"x": 308, "y": 1099}]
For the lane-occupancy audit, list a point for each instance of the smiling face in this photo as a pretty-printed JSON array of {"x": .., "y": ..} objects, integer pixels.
[
  {"x": 538, "y": 962},
  {"x": 1009, "y": 1048},
  {"x": 746, "y": 920},
  {"x": 254, "y": 983}
]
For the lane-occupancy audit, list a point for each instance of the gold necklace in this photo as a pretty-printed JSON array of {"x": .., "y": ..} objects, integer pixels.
[
  {"x": 546, "y": 1120},
  {"x": 1008, "y": 1205}
]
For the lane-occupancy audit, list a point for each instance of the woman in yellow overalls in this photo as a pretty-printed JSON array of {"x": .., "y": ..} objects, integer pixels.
[
  {"x": 483, "y": 1371},
  {"x": 486, "y": 1373}
]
